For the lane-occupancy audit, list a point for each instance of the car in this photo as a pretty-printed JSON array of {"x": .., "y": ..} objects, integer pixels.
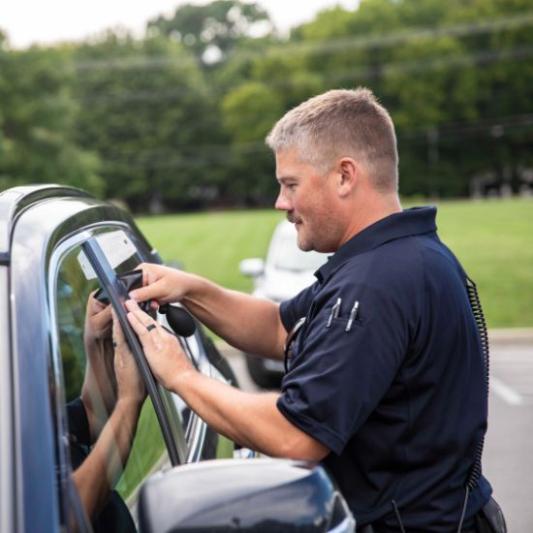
[
  {"x": 60, "y": 250},
  {"x": 286, "y": 271}
]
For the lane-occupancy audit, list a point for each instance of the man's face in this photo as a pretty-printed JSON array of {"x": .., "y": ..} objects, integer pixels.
[{"x": 309, "y": 198}]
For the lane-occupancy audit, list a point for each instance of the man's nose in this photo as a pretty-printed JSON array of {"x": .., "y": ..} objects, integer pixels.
[{"x": 282, "y": 203}]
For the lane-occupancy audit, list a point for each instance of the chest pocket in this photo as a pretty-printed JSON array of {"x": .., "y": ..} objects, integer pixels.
[
  {"x": 292, "y": 345},
  {"x": 296, "y": 337}
]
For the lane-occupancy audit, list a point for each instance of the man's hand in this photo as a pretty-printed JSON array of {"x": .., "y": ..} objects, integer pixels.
[
  {"x": 250, "y": 419},
  {"x": 163, "y": 351},
  {"x": 162, "y": 284},
  {"x": 250, "y": 324}
]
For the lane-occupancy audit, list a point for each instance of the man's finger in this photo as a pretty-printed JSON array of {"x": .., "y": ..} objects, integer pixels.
[
  {"x": 149, "y": 292},
  {"x": 147, "y": 278},
  {"x": 144, "y": 325}
]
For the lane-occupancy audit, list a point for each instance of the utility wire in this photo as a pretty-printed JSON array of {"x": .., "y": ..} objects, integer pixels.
[
  {"x": 479, "y": 58},
  {"x": 202, "y": 155},
  {"x": 323, "y": 46}
]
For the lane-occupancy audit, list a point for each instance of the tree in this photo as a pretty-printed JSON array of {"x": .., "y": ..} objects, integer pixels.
[
  {"x": 212, "y": 30},
  {"x": 37, "y": 115},
  {"x": 147, "y": 110}
]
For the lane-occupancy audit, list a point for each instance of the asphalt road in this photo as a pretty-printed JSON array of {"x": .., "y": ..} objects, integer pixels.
[{"x": 508, "y": 458}]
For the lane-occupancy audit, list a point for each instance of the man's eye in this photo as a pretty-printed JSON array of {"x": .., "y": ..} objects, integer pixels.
[{"x": 291, "y": 186}]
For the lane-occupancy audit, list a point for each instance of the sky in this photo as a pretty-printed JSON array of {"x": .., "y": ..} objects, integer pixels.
[{"x": 29, "y": 22}]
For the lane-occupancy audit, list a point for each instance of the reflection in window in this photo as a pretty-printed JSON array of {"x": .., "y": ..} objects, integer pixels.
[{"x": 90, "y": 393}]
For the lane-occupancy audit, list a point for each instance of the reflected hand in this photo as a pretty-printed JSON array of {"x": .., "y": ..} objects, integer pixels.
[
  {"x": 97, "y": 320},
  {"x": 130, "y": 384},
  {"x": 98, "y": 392},
  {"x": 162, "y": 349}
]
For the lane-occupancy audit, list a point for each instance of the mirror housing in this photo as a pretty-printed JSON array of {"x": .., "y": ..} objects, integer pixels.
[
  {"x": 248, "y": 495},
  {"x": 252, "y": 267}
]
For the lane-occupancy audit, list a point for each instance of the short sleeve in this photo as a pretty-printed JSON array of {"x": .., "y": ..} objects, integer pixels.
[
  {"x": 295, "y": 308},
  {"x": 341, "y": 372}
]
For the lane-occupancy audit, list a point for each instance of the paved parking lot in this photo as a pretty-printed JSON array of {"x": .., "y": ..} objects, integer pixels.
[{"x": 508, "y": 458}]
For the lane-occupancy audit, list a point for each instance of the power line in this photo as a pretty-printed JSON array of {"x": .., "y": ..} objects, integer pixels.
[
  {"x": 202, "y": 155},
  {"x": 323, "y": 46},
  {"x": 433, "y": 33},
  {"x": 479, "y": 58}
]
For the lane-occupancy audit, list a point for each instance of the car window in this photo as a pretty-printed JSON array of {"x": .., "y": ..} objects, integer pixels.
[
  {"x": 89, "y": 379},
  {"x": 122, "y": 255},
  {"x": 189, "y": 431}
]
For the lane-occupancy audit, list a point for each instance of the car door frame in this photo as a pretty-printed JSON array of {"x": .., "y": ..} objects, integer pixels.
[
  {"x": 36, "y": 421},
  {"x": 117, "y": 296}
]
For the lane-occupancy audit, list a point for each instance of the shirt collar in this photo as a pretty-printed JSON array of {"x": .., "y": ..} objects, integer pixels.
[{"x": 414, "y": 221}]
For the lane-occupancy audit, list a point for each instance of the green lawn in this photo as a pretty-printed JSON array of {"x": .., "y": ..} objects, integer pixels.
[{"x": 492, "y": 238}]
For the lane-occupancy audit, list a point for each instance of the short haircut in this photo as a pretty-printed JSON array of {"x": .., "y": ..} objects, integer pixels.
[{"x": 341, "y": 123}]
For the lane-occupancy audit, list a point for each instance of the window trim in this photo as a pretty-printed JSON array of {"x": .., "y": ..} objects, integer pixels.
[
  {"x": 64, "y": 467},
  {"x": 66, "y": 489},
  {"x": 117, "y": 296}
]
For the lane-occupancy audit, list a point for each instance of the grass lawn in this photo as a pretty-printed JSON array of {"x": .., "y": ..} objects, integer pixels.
[{"x": 492, "y": 238}]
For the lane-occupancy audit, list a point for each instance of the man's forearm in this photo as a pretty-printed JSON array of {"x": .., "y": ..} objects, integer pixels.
[
  {"x": 248, "y": 323},
  {"x": 250, "y": 419}
]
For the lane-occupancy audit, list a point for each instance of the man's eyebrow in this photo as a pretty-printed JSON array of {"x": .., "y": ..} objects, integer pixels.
[{"x": 283, "y": 179}]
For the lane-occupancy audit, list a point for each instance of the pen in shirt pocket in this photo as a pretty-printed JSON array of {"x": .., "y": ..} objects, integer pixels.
[
  {"x": 353, "y": 315},
  {"x": 335, "y": 310}
]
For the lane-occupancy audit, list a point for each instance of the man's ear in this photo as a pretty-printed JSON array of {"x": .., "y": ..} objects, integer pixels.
[{"x": 348, "y": 171}]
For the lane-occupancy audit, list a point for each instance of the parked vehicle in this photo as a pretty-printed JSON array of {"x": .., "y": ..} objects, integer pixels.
[
  {"x": 57, "y": 247},
  {"x": 286, "y": 271}
]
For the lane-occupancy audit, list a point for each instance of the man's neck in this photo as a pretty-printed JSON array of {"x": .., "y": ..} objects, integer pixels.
[{"x": 375, "y": 208}]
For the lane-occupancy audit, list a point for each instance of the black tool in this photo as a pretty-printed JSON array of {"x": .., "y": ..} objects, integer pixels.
[
  {"x": 179, "y": 319},
  {"x": 130, "y": 280}
]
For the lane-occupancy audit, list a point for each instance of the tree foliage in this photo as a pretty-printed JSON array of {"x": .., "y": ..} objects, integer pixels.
[
  {"x": 145, "y": 108},
  {"x": 37, "y": 121},
  {"x": 163, "y": 124},
  {"x": 212, "y": 30}
]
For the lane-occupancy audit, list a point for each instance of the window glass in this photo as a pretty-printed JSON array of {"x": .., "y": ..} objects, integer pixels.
[
  {"x": 123, "y": 256},
  {"x": 190, "y": 433},
  {"x": 91, "y": 388}
]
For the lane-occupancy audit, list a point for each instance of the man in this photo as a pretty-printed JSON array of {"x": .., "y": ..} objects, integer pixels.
[{"x": 385, "y": 381}]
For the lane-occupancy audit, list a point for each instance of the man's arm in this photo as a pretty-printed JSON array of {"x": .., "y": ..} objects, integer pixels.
[
  {"x": 252, "y": 420},
  {"x": 250, "y": 324}
]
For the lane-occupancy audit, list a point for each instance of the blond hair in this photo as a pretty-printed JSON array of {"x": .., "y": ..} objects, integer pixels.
[{"x": 341, "y": 123}]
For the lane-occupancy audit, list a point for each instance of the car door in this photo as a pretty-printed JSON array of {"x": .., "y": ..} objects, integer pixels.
[
  {"x": 167, "y": 432},
  {"x": 44, "y": 361}
]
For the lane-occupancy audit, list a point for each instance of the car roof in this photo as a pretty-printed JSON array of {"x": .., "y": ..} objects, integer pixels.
[{"x": 17, "y": 199}]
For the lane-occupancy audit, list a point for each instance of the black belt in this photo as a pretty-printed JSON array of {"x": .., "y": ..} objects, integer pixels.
[{"x": 368, "y": 528}]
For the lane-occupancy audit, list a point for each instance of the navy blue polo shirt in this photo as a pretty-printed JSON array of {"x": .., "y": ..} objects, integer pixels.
[{"x": 398, "y": 396}]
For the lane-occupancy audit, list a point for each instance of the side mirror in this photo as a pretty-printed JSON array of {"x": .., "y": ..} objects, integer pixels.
[
  {"x": 253, "y": 267},
  {"x": 259, "y": 495}
]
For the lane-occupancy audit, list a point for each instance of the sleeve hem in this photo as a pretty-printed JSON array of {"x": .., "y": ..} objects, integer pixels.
[
  {"x": 283, "y": 317},
  {"x": 322, "y": 434}
]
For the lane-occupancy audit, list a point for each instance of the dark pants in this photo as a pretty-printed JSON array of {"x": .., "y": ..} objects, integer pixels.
[{"x": 490, "y": 519}]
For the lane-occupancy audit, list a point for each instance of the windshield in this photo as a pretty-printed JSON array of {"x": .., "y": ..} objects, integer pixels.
[{"x": 284, "y": 254}]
